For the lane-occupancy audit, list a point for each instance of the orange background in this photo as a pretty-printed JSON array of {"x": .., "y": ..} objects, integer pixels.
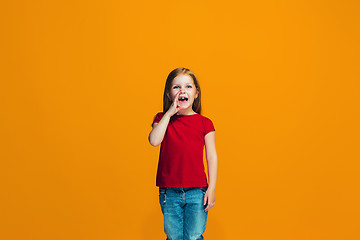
[{"x": 82, "y": 80}]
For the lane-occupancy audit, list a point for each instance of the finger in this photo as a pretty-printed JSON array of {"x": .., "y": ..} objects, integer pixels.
[
  {"x": 209, "y": 206},
  {"x": 205, "y": 199},
  {"x": 177, "y": 97}
]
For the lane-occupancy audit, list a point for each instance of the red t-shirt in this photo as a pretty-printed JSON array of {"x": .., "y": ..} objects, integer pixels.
[{"x": 181, "y": 152}]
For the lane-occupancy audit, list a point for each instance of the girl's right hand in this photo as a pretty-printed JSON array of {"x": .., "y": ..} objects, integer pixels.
[{"x": 174, "y": 108}]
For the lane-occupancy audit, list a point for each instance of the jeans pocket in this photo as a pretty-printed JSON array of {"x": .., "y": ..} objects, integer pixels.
[
  {"x": 162, "y": 190},
  {"x": 162, "y": 196},
  {"x": 203, "y": 189}
]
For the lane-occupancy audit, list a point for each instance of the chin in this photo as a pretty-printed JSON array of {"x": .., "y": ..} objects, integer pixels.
[{"x": 185, "y": 107}]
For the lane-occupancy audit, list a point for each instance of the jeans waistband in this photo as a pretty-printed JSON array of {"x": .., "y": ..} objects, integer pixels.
[{"x": 180, "y": 189}]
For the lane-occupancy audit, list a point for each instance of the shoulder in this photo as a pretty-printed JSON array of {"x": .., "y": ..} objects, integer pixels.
[
  {"x": 159, "y": 114},
  {"x": 207, "y": 124},
  {"x": 204, "y": 118},
  {"x": 157, "y": 117}
]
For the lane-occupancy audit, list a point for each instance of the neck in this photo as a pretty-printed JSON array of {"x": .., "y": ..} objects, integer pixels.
[{"x": 185, "y": 112}]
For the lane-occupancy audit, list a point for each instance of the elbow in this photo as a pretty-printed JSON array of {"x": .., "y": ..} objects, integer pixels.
[
  {"x": 153, "y": 142},
  {"x": 212, "y": 159}
]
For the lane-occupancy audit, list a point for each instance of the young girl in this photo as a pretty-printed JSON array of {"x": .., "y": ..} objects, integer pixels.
[{"x": 184, "y": 194}]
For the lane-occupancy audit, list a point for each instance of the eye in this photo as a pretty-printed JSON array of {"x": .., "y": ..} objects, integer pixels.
[
  {"x": 174, "y": 87},
  {"x": 188, "y": 86}
]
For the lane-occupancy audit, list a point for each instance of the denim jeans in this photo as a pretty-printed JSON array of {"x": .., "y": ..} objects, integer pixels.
[{"x": 183, "y": 210}]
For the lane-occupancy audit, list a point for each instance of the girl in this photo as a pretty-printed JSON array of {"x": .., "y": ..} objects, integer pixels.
[{"x": 184, "y": 194}]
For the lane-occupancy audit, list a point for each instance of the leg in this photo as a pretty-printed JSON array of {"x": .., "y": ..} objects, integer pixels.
[
  {"x": 172, "y": 209},
  {"x": 195, "y": 216}
]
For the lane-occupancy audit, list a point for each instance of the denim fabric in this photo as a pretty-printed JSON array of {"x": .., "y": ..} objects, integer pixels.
[{"x": 184, "y": 212}]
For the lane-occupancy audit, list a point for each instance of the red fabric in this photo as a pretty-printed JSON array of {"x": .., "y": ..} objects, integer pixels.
[{"x": 181, "y": 152}]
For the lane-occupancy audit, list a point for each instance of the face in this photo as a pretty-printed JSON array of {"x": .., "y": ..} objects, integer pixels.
[{"x": 188, "y": 92}]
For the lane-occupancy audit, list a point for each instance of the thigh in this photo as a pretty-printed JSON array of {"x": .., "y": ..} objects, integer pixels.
[
  {"x": 173, "y": 211},
  {"x": 195, "y": 216}
]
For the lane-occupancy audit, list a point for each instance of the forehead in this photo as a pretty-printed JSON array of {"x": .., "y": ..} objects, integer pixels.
[{"x": 183, "y": 79}]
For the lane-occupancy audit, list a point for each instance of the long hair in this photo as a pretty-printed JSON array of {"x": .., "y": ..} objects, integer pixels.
[{"x": 174, "y": 73}]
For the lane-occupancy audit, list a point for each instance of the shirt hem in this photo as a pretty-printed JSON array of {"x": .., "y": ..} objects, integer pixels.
[{"x": 182, "y": 186}]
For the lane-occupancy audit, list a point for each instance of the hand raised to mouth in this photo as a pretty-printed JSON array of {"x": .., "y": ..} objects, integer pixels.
[{"x": 174, "y": 108}]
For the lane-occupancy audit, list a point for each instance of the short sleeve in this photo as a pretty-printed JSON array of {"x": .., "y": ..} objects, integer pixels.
[
  {"x": 209, "y": 126},
  {"x": 157, "y": 118}
]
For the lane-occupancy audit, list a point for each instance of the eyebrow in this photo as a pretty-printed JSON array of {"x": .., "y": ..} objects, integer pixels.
[{"x": 185, "y": 84}]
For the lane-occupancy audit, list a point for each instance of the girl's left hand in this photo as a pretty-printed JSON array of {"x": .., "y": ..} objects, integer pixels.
[{"x": 210, "y": 199}]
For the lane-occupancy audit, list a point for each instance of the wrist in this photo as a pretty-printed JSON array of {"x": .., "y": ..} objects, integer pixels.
[{"x": 167, "y": 114}]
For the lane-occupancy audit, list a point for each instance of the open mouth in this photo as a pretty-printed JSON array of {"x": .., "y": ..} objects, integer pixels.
[{"x": 183, "y": 99}]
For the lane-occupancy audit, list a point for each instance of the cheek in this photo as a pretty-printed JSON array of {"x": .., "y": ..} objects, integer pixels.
[{"x": 192, "y": 92}]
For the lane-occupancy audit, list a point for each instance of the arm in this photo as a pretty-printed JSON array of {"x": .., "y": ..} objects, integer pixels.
[
  {"x": 158, "y": 132},
  {"x": 212, "y": 163}
]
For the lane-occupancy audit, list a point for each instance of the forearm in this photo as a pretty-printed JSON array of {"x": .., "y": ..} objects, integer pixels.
[
  {"x": 158, "y": 132},
  {"x": 212, "y": 172}
]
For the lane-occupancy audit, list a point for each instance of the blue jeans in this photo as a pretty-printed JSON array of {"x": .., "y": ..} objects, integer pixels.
[{"x": 183, "y": 210}]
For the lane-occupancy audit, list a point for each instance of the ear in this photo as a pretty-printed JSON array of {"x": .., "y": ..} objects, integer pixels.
[
  {"x": 168, "y": 95},
  {"x": 197, "y": 94}
]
